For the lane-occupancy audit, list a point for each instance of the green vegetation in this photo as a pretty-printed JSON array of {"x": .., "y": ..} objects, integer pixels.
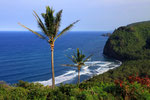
[
  {"x": 118, "y": 90},
  {"x": 128, "y": 68},
  {"x": 130, "y": 81},
  {"x": 50, "y": 30},
  {"x": 131, "y": 42},
  {"x": 79, "y": 60},
  {"x": 121, "y": 83}
]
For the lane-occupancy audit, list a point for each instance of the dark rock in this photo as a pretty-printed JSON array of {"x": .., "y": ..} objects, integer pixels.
[{"x": 106, "y": 35}]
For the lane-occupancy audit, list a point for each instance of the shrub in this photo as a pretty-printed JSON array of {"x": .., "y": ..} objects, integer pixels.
[
  {"x": 19, "y": 93},
  {"x": 131, "y": 91}
]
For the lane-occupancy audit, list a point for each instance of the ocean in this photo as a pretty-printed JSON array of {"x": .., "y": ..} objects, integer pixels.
[{"x": 25, "y": 57}]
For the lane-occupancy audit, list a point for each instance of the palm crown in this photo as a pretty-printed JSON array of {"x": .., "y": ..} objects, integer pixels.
[
  {"x": 79, "y": 58},
  {"x": 51, "y": 26}
]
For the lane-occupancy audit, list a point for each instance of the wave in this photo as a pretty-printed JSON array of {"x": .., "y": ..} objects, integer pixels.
[
  {"x": 88, "y": 70},
  {"x": 68, "y": 49}
]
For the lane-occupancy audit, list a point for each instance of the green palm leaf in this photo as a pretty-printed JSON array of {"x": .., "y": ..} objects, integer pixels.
[
  {"x": 66, "y": 29},
  {"x": 69, "y": 65},
  {"x": 74, "y": 55},
  {"x": 40, "y": 23},
  {"x": 81, "y": 64},
  {"x": 87, "y": 58},
  {"x": 49, "y": 20},
  {"x": 57, "y": 21},
  {"x": 39, "y": 35},
  {"x": 78, "y": 53},
  {"x": 72, "y": 59}
]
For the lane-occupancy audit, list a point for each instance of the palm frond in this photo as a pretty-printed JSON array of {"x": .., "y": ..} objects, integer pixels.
[
  {"x": 74, "y": 55},
  {"x": 40, "y": 23},
  {"x": 81, "y": 57},
  {"x": 57, "y": 21},
  {"x": 87, "y": 58},
  {"x": 49, "y": 21},
  {"x": 69, "y": 65},
  {"x": 73, "y": 60},
  {"x": 66, "y": 29},
  {"x": 78, "y": 52},
  {"x": 39, "y": 35},
  {"x": 81, "y": 64},
  {"x": 43, "y": 15}
]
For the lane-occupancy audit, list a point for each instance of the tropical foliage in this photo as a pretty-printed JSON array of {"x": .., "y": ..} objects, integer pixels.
[
  {"x": 131, "y": 42},
  {"x": 50, "y": 31},
  {"x": 79, "y": 61},
  {"x": 117, "y": 90}
]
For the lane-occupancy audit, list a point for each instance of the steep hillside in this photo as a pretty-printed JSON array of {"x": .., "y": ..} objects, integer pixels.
[{"x": 129, "y": 42}]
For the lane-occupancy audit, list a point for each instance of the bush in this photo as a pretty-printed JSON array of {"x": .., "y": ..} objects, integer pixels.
[
  {"x": 132, "y": 91},
  {"x": 85, "y": 91},
  {"x": 18, "y": 93}
]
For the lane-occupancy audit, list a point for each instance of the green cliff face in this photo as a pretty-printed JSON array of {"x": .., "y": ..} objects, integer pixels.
[{"x": 130, "y": 42}]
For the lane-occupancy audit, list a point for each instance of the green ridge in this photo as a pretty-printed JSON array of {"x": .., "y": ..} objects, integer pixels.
[{"x": 129, "y": 42}]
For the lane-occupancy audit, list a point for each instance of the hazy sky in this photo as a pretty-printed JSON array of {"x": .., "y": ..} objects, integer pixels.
[{"x": 94, "y": 15}]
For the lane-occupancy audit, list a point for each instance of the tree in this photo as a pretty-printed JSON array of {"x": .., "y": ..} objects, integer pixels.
[
  {"x": 50, "y": 31},
  {"x": 79, "y": 60}
]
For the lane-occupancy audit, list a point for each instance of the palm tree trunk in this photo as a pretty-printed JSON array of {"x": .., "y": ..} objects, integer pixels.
[
  {"x": 78, "y": 75},
  {"x": 52, "y": 64}
]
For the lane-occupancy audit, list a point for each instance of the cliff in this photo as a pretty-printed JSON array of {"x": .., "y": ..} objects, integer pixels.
[{"x": 129, "y": 42}]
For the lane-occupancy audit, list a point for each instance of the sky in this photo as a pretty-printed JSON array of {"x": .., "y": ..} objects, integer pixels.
[{"x": 94, "y": 15}]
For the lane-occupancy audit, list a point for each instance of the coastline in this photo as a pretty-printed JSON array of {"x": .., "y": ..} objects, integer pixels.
[
  {"x": 68, "y": 79},
  {"x": 34, "y": 63}
]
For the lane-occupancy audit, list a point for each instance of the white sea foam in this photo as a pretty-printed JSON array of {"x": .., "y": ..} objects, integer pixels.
[
  {"x": 61, "y": 78},
  {"x": 103, "y": 66},
  {"x": 68, "y": 49}
]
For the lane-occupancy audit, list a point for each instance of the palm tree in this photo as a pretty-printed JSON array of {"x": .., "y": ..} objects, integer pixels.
[
  {"x": 79, "y": 60},
  {"x": 50, "y": 31}
]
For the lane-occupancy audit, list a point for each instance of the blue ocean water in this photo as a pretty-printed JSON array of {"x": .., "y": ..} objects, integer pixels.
[{"x": 23, "y": 56}]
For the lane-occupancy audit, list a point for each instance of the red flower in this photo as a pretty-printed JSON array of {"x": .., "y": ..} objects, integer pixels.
[{"x": 120, "y": 84}]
